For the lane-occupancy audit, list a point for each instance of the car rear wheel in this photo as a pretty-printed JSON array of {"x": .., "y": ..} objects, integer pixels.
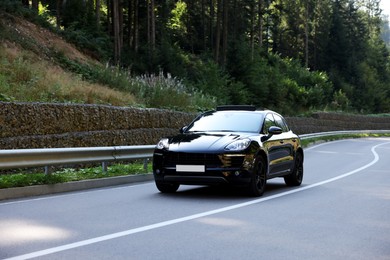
[
  {"x": 259, "y": 179},
  {"x": 295, "y": 178},
  {"x": 165, "y": 187}
]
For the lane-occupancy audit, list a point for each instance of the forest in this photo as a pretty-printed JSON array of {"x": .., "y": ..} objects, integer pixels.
[{"x": 293, "y": 56}]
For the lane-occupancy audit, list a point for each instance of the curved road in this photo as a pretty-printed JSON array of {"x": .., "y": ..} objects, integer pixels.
[{"x": 342, "y": 211}]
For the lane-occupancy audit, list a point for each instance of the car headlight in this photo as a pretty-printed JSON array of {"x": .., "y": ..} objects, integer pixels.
[
  {"x": 238, "y": 145},
  {"x": 163, "y": 144}
]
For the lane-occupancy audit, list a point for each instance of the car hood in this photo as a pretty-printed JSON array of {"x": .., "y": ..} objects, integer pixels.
[{"x": 203, "y": 142}]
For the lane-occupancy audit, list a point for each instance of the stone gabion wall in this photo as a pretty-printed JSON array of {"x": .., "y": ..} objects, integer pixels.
[
  {"x": 41, "y": 125},
  {"x": 324, "y": 122}
]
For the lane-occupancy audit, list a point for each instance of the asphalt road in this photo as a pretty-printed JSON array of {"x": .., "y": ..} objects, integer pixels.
[{"x": 342, "y": 211}]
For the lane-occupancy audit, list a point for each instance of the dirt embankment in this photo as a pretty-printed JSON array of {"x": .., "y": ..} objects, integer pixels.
[{"x": 41, "y": 41}]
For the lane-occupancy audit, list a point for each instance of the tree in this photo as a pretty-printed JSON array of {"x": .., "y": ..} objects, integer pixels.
[
  {"x": 225, "y": 31},
  {"x": 58, "y": 13},
  {"x": 151, "y": 25},
  {"x": 258, "y": 44},
  {"x": 35, "y": 5},
  {"x": 385, "y": 30},
  {"x": 260, "y": 21},
  {"x": 97, "y": 14},
  {"x": 117, "y": 19},
  {"x": 218, "y": 31}
]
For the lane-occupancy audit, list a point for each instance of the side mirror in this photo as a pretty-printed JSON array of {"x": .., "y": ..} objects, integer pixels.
[
  {"x": 183, "y": 129},
  {"x": 273, "y": 130}
]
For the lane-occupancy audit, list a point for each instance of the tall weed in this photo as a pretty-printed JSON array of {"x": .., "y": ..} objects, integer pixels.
[{"x": 165, "y": 91}]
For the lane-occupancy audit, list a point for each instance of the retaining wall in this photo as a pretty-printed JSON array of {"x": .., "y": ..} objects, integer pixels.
[
  {"x": 41, "y": 125},
  {"x": 44, "y": 125}
]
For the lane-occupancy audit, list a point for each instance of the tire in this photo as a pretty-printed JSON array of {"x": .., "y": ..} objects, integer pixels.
[
  {"x": 259, "y": 179},
  {"x": 296, "y": 177},
  {"x": 165, "y": 187}
]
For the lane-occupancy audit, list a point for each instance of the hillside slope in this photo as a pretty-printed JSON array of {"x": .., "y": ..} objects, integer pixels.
[
  {"x": 30, "y": 69},
  {"x": 41, "y": 41}
]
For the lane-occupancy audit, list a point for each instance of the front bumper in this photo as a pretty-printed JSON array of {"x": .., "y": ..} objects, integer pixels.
[{"x": 233, "y": 169}]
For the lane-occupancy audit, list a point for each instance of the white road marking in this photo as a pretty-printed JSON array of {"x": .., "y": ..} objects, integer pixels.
[
  {"x": 191, "y": 217},
  {"x": 329, "y": 152}
]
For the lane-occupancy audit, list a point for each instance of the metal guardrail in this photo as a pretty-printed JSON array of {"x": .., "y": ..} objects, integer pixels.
[
  {"x": 333, "y": 133},
  {"x": 29, "y": 158}
]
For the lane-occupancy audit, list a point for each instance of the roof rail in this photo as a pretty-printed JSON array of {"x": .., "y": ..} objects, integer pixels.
[{"x": 236, "y": 107}]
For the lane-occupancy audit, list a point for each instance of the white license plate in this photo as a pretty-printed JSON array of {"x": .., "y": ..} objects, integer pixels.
[{"x": 190, "y": 168}]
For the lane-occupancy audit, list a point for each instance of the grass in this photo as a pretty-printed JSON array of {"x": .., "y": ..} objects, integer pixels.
[
  {"x": 22, "y": 178},
  {"x": 38, "y": 66},
  {"x": 23, "y": 77}
]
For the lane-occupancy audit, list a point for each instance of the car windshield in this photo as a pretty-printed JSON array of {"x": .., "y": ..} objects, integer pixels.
[{"x": 228, "y": 121}]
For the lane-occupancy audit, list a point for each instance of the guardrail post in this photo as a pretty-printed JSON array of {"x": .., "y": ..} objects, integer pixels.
[
  {"x": 146, "y": 164},
  {"x": 47, "y": 170},
  {"x": 104, "y": 166}
]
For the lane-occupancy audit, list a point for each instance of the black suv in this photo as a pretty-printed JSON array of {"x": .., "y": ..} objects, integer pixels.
[{"x": 236, "y": 145}]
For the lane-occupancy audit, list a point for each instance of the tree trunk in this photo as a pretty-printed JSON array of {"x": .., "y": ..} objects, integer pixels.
[
  {"x": 58, "y": 15},
  {"x": 306, "y": 33},
  {"x": 130, "y": 18},
  {"x": 211, "y": 25},
  {"x": 203, "y": 19},
  {"x": 109, "y": 17},
  {"x": 35, "y": 6},
  {"x": 218, "y": 31},
  {"x": 268, "y": 27},
  {"x": 117, "y": 34},
  {"x": 252, "y": 33},
  {"x": 148, "y": 22},
  {"x": 120, "y": 14},
  {"x": 136, "y": 25},
  {"x": 261, "y": 23},
  {"x": 97, "y": 14},
  {"x": 225, "y": 31},
  {"x": 153, "y": 25},
  {"x": 151, "y": 31}
]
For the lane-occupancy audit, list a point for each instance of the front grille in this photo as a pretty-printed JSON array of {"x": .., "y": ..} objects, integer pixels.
[
  {"x": 173, "y": 158},
  {"x": 210, "y": 160}
]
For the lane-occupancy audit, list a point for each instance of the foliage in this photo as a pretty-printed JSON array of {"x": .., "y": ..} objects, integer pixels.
[
  {"x": 290, "y": 55},
  {"x": 12, "y": 6},
  {"x": 280, "y": 83},
  {"x": 95, "y": 42}
]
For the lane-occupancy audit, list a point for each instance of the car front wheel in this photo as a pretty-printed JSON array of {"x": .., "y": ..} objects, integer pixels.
[
  {"x": 259, "y": 179},
  {"x": 165, "y": 187},
  {"x": 295, "y": 178}
]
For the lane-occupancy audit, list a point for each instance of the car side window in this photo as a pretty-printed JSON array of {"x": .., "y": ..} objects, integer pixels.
[
  {"x": 281, "y": 123},
  {"x": 268, "y": 122}
]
